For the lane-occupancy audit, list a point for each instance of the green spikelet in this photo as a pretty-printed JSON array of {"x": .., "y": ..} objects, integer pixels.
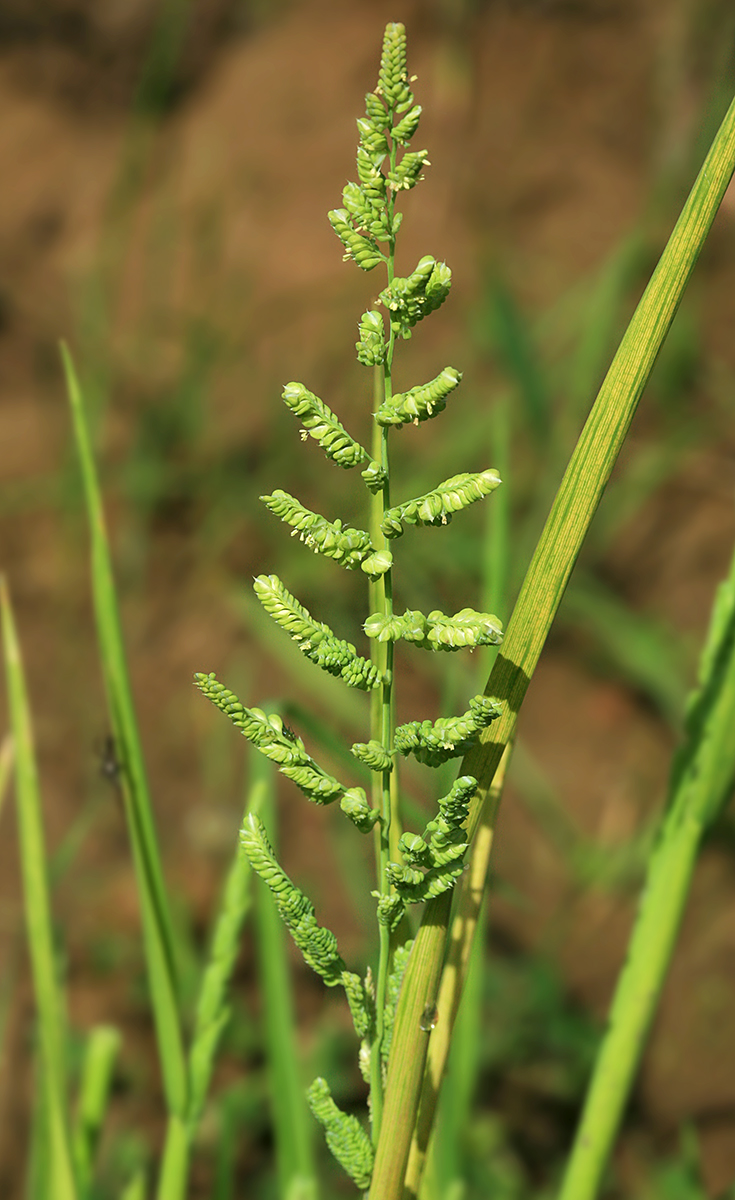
[
  {"x": 373, "y": 755},
  {"x": 314, "y": 638},
  {"x": 355, "y": 806},
  {"x": 361, "y": 249},
  {"x": 371, "y": 345},
  {"x": 344, "y": 1134},
  {"x": 403, "y": 131},
  {"x": 407, "y": 173},
  {"x": 345, "y": 545},
  {"x": 439, "y": 506},
  {"x": 375, "y": 477},
  {"x": 449, "y": 737},
  {"x": 317, "y": 944},
  {"x": 390, "y": 910},
  {"x": 420, "y": 403},
  {"x": 320, "y": 423},
  {"x": 362, "y": 1005}
]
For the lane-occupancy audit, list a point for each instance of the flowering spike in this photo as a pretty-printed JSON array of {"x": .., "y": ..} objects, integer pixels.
[
  {"x": 411, "y": 299},
  {"x": 314, "y": 638},
  {"x": 438, "y": 507},
  {"x": 347, "y": 546},
  {"x": 344, "y": 1134},
  {"x": 373, "y": 755},
  {"x": 449, "y": 737},
  {"x": 437, "y": 631},
  {"x": 363, "y": 250},
  {"x": 393, "y": 75},
  {"x": 268, "y": 734},
  {"x": 320, "y": 423},
  {"x": 419, "y": 403},
  {"x": 317, "y": 944},
  {"x": 407, "y": 126}
]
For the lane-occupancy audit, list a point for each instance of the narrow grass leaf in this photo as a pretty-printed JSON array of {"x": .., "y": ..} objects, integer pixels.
[
  {"x": 552, "y": 563},
  {"x": 49, "y": 1003},
  {"x": 103, "y": 1045},
  {"x": 157, "y": 928},
  {"x": 213, "y": 1011},
  {"x": 702, "y": 780}
]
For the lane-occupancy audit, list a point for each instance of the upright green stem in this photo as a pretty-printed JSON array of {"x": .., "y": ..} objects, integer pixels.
[{"x": 382, "y": 731}]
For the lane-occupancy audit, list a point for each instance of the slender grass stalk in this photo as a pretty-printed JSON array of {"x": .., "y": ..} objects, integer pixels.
[
  {"x": 38, "y": 1167},
  {"x": 702, "y": 780},
  {"x": 571, "y": 514},
  {"x": 157, "y": 927},
  {"x": 60, "y": 1177},
  {"x": 382, "y": 714},
  {"x": 103, "y": 1045},
  {"x": 292, "y": 1120},
  {"x": 459, "y": 952}
]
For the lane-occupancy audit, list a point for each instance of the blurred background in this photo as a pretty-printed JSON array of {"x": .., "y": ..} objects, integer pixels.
[{"x": 167, "y": 169}]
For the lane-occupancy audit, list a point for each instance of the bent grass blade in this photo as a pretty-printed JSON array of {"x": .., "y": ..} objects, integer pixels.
[{"x": 57, "y": 1151}]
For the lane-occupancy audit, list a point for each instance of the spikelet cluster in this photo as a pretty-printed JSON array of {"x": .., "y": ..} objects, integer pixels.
[
  {"x": 439, "y": 506},
  {"x": 436, "y": 631},
  {"x": 315, "y": 639},
  {"x": 344, "y": 1135},
  {"x": 435, "y": 742},
  {"x": 411, "y": 299},
  {"x": 434, "y": 859},
  {"x": 419, "y": 403},
  {"x": 366, "y": 224}
]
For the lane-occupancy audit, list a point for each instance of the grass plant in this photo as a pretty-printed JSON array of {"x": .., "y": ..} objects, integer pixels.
[{"x": 405, "y": 1005}]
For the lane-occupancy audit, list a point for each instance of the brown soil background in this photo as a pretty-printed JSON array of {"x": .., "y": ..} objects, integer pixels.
[{"x": 547, "y": 124}]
